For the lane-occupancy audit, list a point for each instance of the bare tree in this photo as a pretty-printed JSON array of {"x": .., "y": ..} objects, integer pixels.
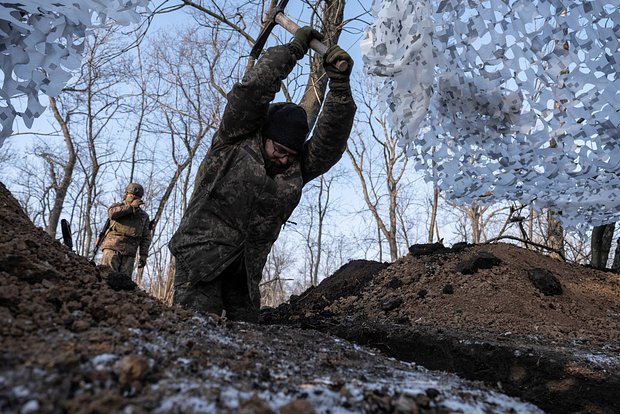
[
  {"x": 479, "y": 218},
  {"x": 90, "y": 109},
  {"x": 6, "y": 153},
  {"x": 317, "y": 203},
  {"x": 576, "y": 248},
  {"x": 380, "y": 165},
  {"x": 63, "y": 177},
  {"x": 433, "y": 233},
  {"x": 279, "y": 261},
  {"x": 30, "y": 185},
  {"x": 60, "y": 184}
]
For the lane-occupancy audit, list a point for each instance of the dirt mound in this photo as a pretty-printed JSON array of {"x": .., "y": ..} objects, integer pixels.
[
  {"x": 76, "y": 339},
  {"x": 349, "y": 280},
  {"x": 542, "y": 329}
]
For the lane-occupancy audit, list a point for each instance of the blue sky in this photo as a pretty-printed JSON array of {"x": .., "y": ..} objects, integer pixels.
[{"x": 296, "y": 11}]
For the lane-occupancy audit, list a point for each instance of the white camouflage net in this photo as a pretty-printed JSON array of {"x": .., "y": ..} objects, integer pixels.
[
  {"x": 41, "y": 43},
  {"x": 506, "y": 99}
]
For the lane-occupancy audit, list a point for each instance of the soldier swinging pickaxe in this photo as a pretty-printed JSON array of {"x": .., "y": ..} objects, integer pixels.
[{"x": 277, "y": 16}]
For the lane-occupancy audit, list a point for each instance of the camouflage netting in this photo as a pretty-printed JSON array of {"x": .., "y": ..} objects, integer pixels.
[
  {"x": 506, "y": 99},
  {"x": 41, "y": 43}
]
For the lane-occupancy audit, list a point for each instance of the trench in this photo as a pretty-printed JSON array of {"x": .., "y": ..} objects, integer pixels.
[
  {"x": 553, "y": 378},
  {"x": 558, "y": 378}
]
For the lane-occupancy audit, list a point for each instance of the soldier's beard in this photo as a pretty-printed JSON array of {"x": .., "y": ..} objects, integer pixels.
[{"x": 274, "y": 168}]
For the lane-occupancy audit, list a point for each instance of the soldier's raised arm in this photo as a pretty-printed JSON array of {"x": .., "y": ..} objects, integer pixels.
[
  {"x": 333, "y": 127},
  {"x": 248, "y": 101}
]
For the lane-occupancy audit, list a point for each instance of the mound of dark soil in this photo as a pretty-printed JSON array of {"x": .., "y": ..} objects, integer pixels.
[
  {"x": 76, "y": 339},
  {"x": 538, "y": 328},
  {"x": 349, "y": 280}
]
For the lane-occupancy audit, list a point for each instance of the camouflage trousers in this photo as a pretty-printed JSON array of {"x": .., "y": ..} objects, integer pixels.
[
  {"x": 228, "y": 292},
  {"x": 118, "y": 262}
]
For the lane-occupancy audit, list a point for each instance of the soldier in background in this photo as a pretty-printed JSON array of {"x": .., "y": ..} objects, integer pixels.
[{"x": 128, "y": 231}]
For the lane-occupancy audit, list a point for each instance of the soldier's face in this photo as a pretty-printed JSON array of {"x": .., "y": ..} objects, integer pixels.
[{"x": 278, "y": 153}]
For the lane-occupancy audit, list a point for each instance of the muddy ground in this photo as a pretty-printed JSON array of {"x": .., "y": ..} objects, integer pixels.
[{"x": 78, "y": 339}]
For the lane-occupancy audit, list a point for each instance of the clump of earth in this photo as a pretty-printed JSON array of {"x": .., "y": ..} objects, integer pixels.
[{"x": 524, "y": 332}]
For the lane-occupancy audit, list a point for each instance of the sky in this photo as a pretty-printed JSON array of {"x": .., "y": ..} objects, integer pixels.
[
  {"x": 174, "y": 20},
  {"x": 177, "y": 19},
  {"x": 296, "y": 11}
]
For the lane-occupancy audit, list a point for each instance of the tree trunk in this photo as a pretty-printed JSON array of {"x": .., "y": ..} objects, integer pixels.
[
  {"x": 169, "y": 288},
  {"x": 63, "y": 186},
  {"x": 139, "y": 273},
  {"x": 601, "y": 245},
  {"x": 431, "y": 227},
  {"x": 616, "y": 265},
  {"x": 475, "y": 223},
  {"x": 314, "y": 94},
  {"x": 555, "y": 236}
]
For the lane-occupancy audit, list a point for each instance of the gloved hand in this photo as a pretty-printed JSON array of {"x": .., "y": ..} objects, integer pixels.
[
  {"x": 142, "y": 261},
  {"x": 137, "y": 203},
  {"x": 302, "y": 39},
  {"x": 337, "y": 79}
]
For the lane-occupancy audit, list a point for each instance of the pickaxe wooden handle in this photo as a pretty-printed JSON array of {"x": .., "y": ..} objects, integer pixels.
[
  {"x": 280, "y": 18},
  {"x": 318, "y": 47}
]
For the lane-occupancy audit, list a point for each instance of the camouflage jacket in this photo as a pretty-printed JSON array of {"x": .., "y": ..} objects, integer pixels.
[
  {"x": 128, "y": 230},
  {"x": 236, "y": 207}
]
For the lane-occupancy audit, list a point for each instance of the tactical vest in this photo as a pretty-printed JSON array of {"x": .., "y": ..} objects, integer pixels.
[{"x": 126, "y": 233}]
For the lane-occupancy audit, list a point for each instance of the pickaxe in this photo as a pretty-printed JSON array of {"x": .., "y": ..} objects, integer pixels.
[{"x": 277, "y": 16}]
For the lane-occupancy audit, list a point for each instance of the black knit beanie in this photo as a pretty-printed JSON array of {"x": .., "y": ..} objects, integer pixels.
[{"x": 287, "y": 124}]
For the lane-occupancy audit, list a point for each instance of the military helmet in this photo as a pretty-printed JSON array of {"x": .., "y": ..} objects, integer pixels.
[{"x": 135, "y": 189}]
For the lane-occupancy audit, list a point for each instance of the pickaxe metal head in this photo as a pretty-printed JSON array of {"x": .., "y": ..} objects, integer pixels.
[{"x": 264, "y": 35}]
